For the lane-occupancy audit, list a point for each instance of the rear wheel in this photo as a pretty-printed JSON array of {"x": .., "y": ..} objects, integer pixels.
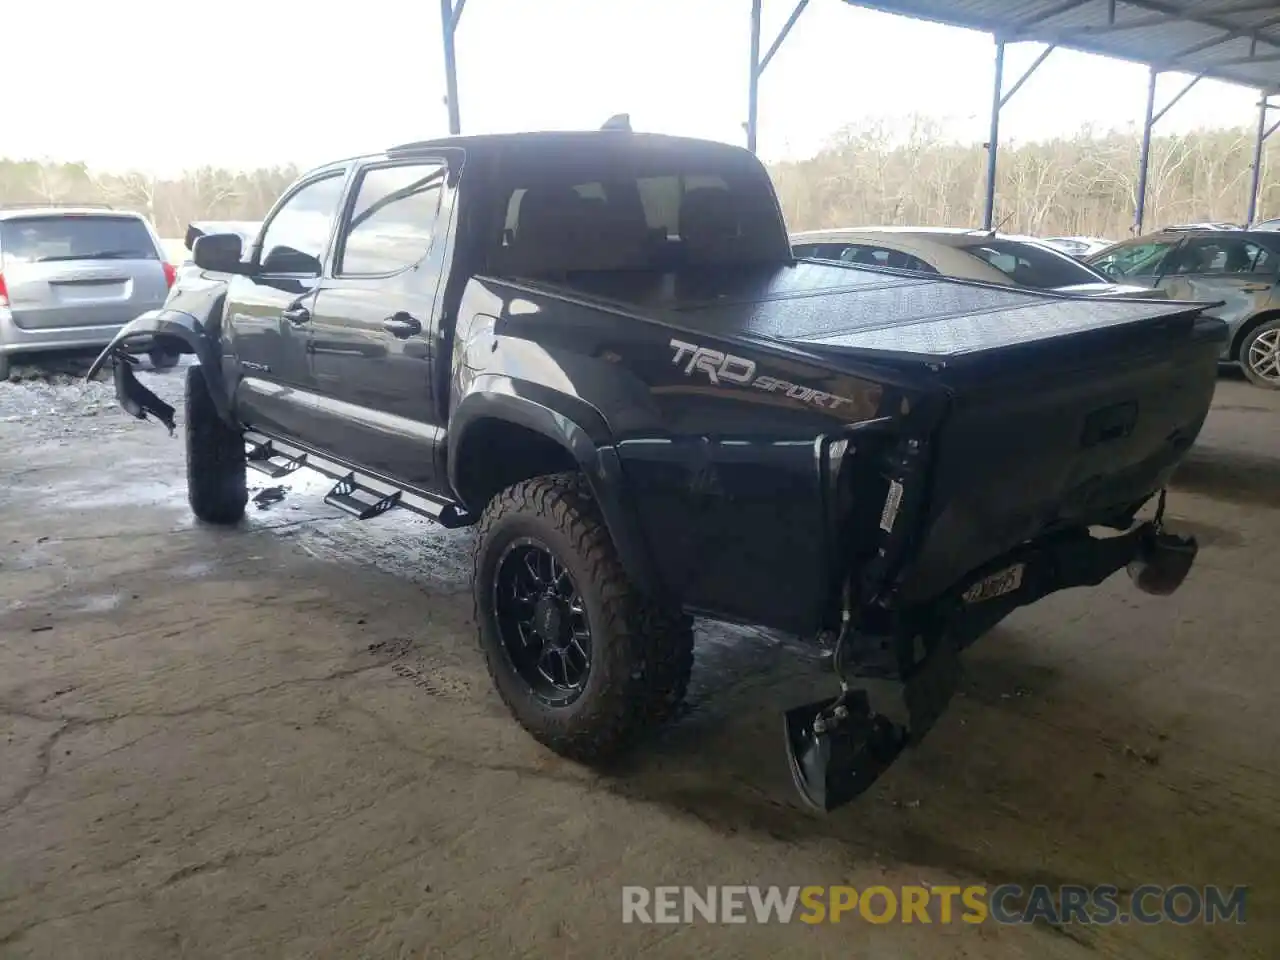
[
  {"x": 585, "y": 662},
  {"x": 216, "y": 486},
  {"x": 1260, "y": 355}
]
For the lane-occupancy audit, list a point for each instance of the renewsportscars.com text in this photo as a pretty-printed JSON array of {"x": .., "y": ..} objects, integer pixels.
[{"x": 1004, "y": 904}]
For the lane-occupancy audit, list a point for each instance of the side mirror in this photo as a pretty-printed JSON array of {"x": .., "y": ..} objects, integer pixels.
[{"x": 219, "y": 252}]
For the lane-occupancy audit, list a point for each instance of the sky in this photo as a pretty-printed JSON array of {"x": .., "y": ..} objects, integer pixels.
[{"x": 167, "y": 85}]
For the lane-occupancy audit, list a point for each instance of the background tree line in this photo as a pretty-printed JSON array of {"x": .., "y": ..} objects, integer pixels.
[{"x": 905, "y": 172}]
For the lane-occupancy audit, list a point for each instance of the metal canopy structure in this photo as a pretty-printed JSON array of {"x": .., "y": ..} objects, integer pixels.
[{"x": 1236, "y": 41}]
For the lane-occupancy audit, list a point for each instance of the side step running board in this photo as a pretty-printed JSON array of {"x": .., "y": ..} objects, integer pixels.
[
  {"x": 265, "y": 458},
  {"x": 343, "y": 496},
  {"x": 360, "y": 494}
]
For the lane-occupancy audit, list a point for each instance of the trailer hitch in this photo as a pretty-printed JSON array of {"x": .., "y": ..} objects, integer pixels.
[{"x": 837, "y": 748}]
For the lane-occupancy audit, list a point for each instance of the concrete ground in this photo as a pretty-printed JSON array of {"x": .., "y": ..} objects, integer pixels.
[{"x": 280, "y": 741}]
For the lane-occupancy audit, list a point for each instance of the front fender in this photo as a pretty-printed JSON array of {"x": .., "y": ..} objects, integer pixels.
[{"x": 144, "y": 329}]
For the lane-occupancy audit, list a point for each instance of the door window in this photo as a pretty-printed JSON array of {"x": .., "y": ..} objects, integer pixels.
[
  {"x": 393, "y": 219},
  {"x": 296, "y": 237},
  {"x": 1141, "y": 259},
  {"x": 1222, "y": 256}
]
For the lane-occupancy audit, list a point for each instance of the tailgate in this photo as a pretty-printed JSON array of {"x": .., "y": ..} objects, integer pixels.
[{"x": 1055, "y": 433}]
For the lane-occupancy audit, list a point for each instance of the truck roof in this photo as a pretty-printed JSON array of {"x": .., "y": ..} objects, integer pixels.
[{"x": 561, "y": 139}]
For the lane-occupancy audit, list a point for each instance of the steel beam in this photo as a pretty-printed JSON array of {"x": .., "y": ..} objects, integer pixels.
[
  {"x": 450, "y": 14},
  {"x": 1144, "y": 156},
  {"x": 1264, "y": 132},
  {"x": 1153, "y": 117},
  {"x": 998, "y": 99},
  {"x": 753, "y": 81},
  {"x": 993, "y": 138},
  {"x": 758, "y": 63}
]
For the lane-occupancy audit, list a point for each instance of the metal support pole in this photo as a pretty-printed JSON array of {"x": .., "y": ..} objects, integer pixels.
[
  {"x": 758, "y": 63},
  {"x": 449, "y": 16},
  {"x": 753, "y": 88},
  {"x": 1153, "y": 117},
  {"x": 1140, "y": 203},
  {"x": 993, "y": 139},
  {"x": 1263, "y": 105}
]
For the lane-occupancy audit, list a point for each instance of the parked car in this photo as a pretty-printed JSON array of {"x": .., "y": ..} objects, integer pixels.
[
  {"x": 599, "y": 349},
  {"x": 1079, "y": 247},
  {"x": 71, "y": 277},
  {"x": 966, "y": 255},
  {"x": 1240, "y": 269}
]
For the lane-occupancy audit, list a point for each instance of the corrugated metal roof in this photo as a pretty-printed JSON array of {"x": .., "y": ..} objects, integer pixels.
[{"x": 1233, "y": 40}]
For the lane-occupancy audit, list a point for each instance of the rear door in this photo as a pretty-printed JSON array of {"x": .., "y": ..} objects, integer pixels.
[
  {"x": 373, "y": 333},
  {"x": 269, "y": 312},
  {"x": 1235, "y": 270},
  {"x": 80, "y": 270}
]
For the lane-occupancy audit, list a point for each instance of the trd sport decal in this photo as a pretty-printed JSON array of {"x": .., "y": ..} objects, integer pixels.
[{"x": 722, "y": 367}]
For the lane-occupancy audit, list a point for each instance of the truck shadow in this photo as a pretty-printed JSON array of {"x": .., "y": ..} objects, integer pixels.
[
  {"x": 1230, "y": 475},
  {"x": 1037, "y": 774}
]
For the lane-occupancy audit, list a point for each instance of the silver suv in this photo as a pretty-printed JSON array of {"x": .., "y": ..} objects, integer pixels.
[{"x": 71, "y": 277}]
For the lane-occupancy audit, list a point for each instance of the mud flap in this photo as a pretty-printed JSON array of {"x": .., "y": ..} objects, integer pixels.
[{"x": 136, "y": 399}]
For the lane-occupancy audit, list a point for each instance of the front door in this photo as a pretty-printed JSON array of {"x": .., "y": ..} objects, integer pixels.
[
  {"x": 268, "y": 314},
  {"x": 373, "y": 345}
]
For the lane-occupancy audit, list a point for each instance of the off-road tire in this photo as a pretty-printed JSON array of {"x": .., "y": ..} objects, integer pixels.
[
  {"x": 162, "y": 359},
  {"x": 642, "y": 655},
  {"x": 215, "y": 458},
  {"x": 1269, "y": 330}
]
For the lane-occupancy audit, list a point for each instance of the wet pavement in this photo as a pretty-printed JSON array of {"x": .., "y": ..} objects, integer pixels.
[{"x": 280, "y": 740}]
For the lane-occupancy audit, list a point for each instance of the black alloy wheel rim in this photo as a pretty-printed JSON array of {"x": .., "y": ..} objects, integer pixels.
[{"x": 542, "y": 622}]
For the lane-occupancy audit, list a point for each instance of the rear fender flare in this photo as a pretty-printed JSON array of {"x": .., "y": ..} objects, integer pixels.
[
  {"x": 156, "y": 324},
  {"x": 582, "y": 432}
]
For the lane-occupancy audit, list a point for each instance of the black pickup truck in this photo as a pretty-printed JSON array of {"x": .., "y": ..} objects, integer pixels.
[{"x": 599, "y": 349}]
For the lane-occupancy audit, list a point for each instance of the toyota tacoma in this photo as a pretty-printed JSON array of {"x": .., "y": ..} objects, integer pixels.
[{"x": 598, "y": 348}]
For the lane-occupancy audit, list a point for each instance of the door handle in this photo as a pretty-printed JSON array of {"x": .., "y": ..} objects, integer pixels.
[
  {"x": 402, "y": 325},
  {"x": 297, "y": 314}
]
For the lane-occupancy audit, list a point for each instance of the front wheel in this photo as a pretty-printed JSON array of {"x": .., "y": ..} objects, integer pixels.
[
  {"x": 584, "y": 661},
  {"x": 216, "y": 486},
  {"x": 1260, "y": 355}
]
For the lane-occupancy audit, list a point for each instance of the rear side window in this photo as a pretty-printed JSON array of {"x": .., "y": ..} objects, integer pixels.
[
  {"x": 1029, "y": 265},
  {"x": 75, "y": 237},
  {"x": 393, "y": 220},
  {"x": 612, "y": 207},
  {"x": 1221, "y": 256}
]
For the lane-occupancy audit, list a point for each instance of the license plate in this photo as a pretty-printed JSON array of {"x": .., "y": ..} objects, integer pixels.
[{"x": 997, "y": 585}]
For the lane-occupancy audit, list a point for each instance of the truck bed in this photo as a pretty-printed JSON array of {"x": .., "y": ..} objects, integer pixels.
[{"x": 1055, "y": 411}]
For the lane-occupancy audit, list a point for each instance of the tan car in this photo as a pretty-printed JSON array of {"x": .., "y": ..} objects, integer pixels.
[{"x": 965, "y": 254}]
